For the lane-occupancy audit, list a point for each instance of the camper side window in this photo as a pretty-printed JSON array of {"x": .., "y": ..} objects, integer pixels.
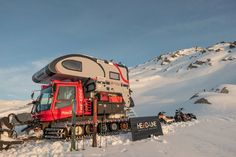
[
  {"x": 114, "y": 75},
  {"x": 72, "y": 65}
]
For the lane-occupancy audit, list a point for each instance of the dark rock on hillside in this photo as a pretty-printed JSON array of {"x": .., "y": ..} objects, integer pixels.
[
  {"x": 174, "y": 55},
  {"x": 199, "y": 62},
  {"x": 166, "y": 60},
  {"x": 160, "y": 57},
  {"x": 202, "y": 101},
  {"x": 224, "y": 90},
  {"x": 228, "y": 59},
  {"x": 191, "y": 66}
]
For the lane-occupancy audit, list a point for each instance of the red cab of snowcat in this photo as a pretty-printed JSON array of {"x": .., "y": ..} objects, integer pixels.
[{"x": 55, "y": 101}]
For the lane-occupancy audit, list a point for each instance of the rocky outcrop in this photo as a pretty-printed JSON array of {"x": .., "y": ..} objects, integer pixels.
[
  {"x": 202, "y": 101},
  {"x": 224, "y": 90}
]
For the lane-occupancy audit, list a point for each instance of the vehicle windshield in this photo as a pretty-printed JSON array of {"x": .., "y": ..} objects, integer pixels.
[{"x": 45, "y": 99}]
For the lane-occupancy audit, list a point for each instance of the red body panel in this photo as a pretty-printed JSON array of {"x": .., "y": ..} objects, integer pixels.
[
  {"x": 44, "y": 116},
  {"x": 104, "y": 96},
  {"x": 83, "y": 106},
  {"x": 115, "y": 99}
]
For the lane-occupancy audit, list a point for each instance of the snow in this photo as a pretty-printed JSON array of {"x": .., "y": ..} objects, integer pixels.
[
  {"x": 14, "y": 106},
  {"x": 164, "y": 84}
]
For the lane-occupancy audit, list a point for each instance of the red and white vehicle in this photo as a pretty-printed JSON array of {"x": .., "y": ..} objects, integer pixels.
[{"x": 81, "y": 79}]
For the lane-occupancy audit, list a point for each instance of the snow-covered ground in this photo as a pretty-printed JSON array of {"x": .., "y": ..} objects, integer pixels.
[
  {"x": 14, "y": 106},
  {"x": 165, "y": 83}
]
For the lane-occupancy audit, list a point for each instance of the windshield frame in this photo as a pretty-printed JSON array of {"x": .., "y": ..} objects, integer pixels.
[{"x": 45, "y": 99}]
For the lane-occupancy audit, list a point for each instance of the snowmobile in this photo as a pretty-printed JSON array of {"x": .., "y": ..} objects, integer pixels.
[{"x": 183, "y": 117}]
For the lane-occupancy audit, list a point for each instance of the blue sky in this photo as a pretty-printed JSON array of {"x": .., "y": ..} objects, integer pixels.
[{"x": 33, "y": 32}]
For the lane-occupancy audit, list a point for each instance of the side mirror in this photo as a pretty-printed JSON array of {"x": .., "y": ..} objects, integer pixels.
[
  {"x": 32, "y": 102},
  {"x": 32, "y": 96}
]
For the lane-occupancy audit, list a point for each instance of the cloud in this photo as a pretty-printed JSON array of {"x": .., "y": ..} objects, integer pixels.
[
  {"x": 40, "y": 63},
  {"x": 16, "y": 82}
]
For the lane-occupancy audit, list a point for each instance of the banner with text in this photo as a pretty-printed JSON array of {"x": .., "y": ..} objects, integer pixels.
[{"x": 144, "y": 127}]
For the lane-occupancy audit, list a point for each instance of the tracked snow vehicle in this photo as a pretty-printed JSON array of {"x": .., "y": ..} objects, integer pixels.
[
  {"x": 82, "y": 79},
  {"x": 80, "y": 96}
]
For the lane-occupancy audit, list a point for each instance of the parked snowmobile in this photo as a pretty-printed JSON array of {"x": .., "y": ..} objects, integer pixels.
[
  {"x": 183, "y": 117},
  {"x": 180, "y": 116}
]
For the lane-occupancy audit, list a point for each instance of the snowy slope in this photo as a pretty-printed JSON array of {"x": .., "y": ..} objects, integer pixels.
[
  {"x": 171, "y": 79},
  {"x": 14, "y": 106},
  {"x": 176, "y": 79}
]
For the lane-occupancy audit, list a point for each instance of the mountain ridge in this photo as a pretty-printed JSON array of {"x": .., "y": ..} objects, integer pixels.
[{"x": 171, "y": 79}]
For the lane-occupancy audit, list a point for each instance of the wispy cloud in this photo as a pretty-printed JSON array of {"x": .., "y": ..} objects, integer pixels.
[
  {"x": 40, "y": 63},
  {"x": 16, "y": 82}
]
